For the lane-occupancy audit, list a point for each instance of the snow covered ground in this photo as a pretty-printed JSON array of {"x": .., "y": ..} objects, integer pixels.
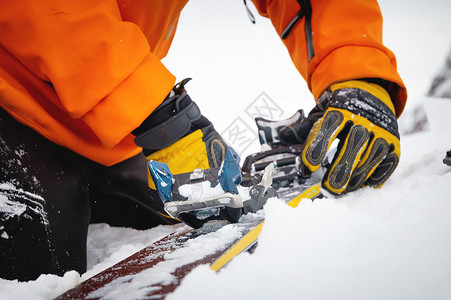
[{"x": 392, "y": 243}]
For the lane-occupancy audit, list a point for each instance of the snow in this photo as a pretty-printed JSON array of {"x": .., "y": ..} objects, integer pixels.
[
  {"x": 137, "y": 286},
  {"x": 8, "y": 186},
  {"x": 200, "y": 190},
  {"x": 108, "y": 245},
  {"x": 11, "y": 208},
  {"x": 391, "y": 243},
  {"x": 45, "y": 287}
]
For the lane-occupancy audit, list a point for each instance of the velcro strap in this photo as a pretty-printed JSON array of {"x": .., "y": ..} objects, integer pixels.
[{"x": 170, "y": 131}]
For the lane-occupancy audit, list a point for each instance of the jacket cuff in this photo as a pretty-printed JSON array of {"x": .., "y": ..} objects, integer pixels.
[
  {"x": 340, "y": 65},
  {"x": 113, "y": 118}
]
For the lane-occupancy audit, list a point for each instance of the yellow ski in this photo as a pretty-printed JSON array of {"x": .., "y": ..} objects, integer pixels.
[{"x": 249, "y": 239}]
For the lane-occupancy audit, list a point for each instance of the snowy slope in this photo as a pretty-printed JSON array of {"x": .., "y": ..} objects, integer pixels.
[{"x": 391, "y": 243}]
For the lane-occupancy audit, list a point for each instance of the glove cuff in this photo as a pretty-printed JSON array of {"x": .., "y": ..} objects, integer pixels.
[
  {"x": 175, "y": 118},
  {"x": 372, "y": 88},
  {"x": 169, "y": 131},
  {"x": 367, "y": 100}
]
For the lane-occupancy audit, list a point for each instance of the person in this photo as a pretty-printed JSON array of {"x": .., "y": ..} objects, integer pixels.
[{"x": 85, "y": 101}]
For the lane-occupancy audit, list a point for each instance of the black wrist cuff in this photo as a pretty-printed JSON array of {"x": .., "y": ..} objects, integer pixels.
[{"x": 169, "y": 131}]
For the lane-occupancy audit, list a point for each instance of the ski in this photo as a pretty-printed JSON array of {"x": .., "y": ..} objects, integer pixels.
[
  {"x": 157, "y": 270},
  {"x": 223, "y": 208},
  {"x": 249, "y": 240}
]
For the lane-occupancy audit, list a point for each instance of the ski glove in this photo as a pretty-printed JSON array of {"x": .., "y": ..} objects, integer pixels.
[
  {"x": 177, "y": 134},
  {"x": 362, "y": 116}
]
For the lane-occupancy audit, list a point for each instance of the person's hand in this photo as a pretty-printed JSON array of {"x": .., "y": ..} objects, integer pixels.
[
  {"x": 362, "y": 116},
  {"x": 177, "y": 134}
]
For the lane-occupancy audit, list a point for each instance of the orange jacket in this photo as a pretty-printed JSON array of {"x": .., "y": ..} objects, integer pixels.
[{"x": 85, "y": 73}]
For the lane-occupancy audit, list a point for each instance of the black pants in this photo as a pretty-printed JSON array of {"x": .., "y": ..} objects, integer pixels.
[{"x": 49, "y": 195}]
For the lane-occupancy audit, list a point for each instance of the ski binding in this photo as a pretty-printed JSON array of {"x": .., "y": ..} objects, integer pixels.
[{"x": 212, "y": 194}]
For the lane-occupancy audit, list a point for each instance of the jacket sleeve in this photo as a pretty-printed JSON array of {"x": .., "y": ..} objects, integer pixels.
[
  {"x": 100, "y": 67},
  {"x": 334, "y": 41}
]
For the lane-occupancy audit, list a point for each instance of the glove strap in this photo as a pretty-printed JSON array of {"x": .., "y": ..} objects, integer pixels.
[{"x": 170, "y": 131}]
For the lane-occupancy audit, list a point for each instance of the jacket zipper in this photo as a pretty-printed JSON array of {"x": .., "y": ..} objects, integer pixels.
[{"x": 304, "y": 11}]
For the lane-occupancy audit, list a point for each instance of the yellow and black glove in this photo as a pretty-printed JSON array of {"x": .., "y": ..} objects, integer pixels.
[
  {"x": 362, "y": 116},
  {"x": 177, "y": 134}
]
